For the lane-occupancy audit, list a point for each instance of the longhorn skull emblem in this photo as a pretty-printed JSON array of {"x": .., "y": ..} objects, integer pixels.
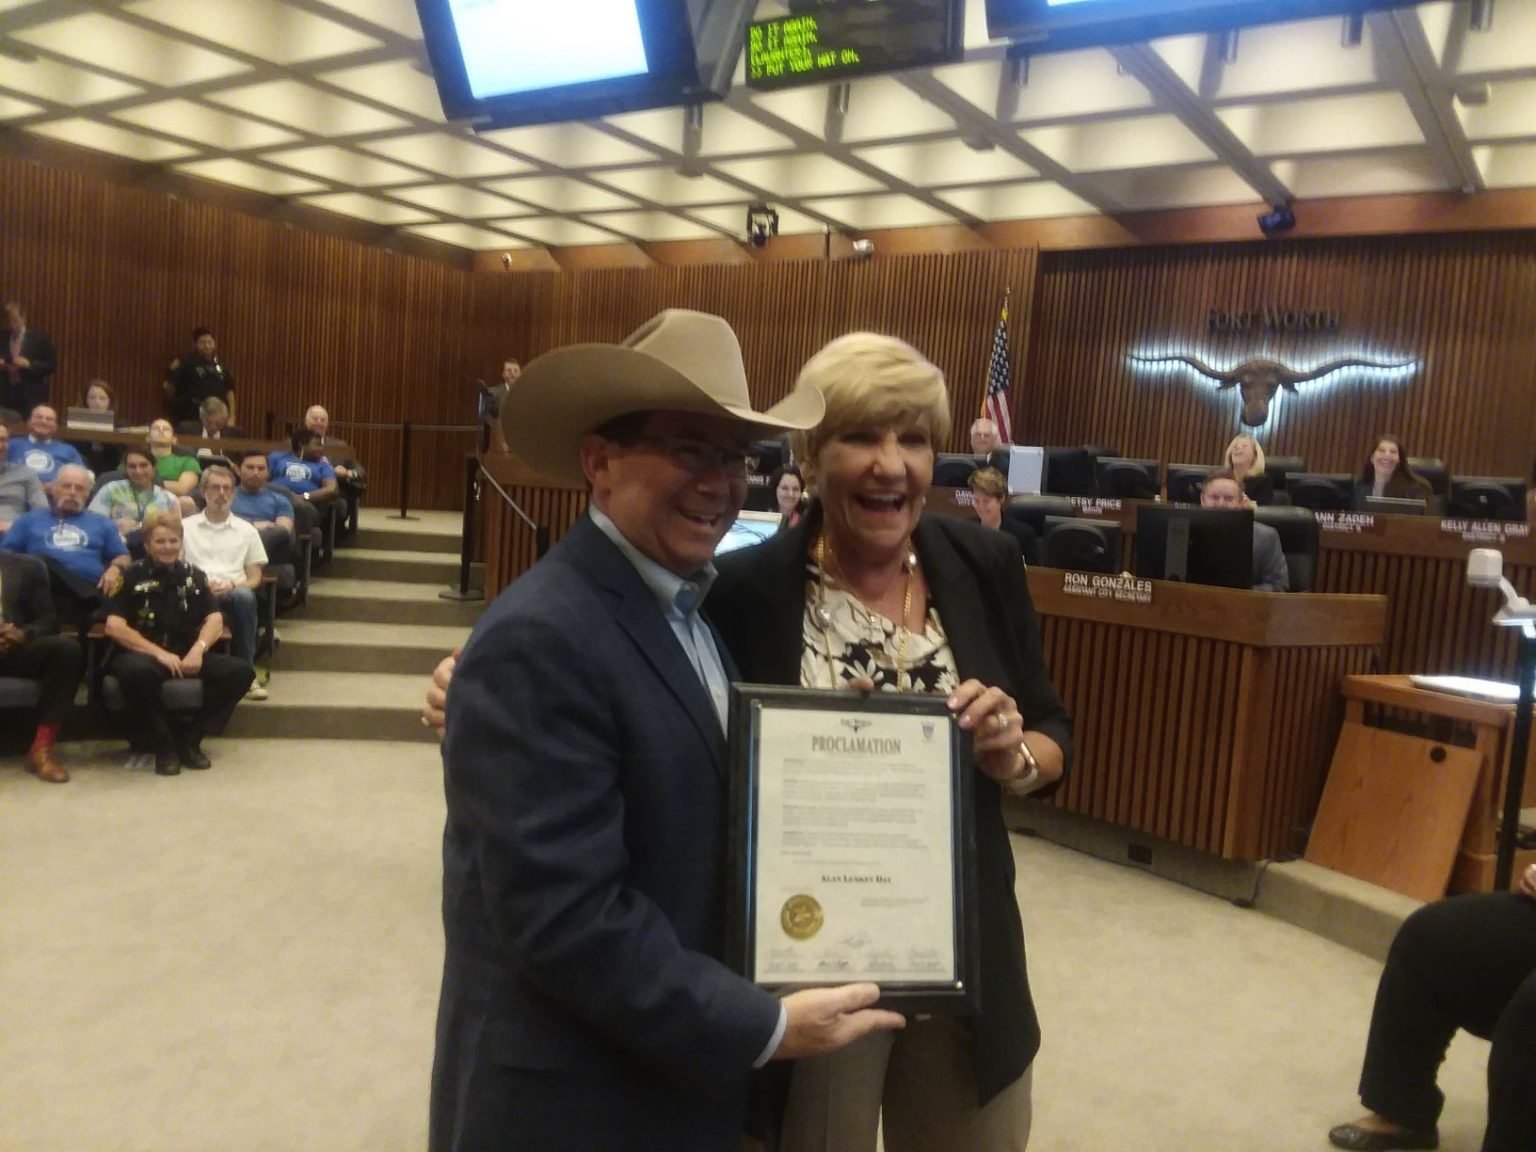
[{"x": 1260, "y": 379}]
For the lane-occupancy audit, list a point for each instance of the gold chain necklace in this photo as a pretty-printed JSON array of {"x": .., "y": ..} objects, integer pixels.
[{"x": 823, "y": 615}]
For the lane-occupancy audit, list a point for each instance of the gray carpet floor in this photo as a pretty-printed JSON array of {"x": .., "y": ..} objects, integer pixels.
[{"x": 247, "y": 959}]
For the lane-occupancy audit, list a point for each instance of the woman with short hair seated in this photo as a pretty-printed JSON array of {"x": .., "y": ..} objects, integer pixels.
[
  {"x": 1386, "y": 473},
  {"x": 1246, "y": 460},
  {"x": 989, "y": 495},
  {"x": 164, "y": 622}
]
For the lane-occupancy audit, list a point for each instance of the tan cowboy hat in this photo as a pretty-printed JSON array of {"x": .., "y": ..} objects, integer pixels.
[{"x": 678, "y": 361}]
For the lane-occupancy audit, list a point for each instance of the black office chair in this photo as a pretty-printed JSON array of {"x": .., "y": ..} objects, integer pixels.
[
  {"x": 1101, "y": 451},
  {"x": 1033, "y": 510},
  {"x": 1432, "y": 470},
  {"x": 1298, "y": 540},
  {"x": 953, "y": 473},
  {"x": 23, "y": 691},
  {"x": 1321, "y": 492},
  {"x": 1126, "y": 480},
  {"x": 1277, "y": 468},
  {"x": 1082, "y": 545}
]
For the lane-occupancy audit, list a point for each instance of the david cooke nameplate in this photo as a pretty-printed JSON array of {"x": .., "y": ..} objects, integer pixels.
[{"x": 853, "y": 845}]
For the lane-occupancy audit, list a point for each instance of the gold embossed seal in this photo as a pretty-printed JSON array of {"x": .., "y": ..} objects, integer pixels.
[{"x": 801, "y": 917}]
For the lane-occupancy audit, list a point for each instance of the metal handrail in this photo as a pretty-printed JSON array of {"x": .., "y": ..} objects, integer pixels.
[{"x": 474, "y": 471}]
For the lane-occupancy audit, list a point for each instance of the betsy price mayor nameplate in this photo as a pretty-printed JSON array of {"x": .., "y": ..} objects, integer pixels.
[{"x": 853, "y": 845}]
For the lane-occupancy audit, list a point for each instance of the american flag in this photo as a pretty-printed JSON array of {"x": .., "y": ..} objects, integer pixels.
[{"x": 995, "y": 406}]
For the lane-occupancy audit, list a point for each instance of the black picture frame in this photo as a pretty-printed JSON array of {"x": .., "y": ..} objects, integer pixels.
[{"x": 956, "y": 995}]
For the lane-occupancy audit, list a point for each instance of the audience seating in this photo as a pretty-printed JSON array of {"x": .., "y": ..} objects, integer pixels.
[
  {"x": 1298, "y": 540},
  {"x": 19, "y": 692}
]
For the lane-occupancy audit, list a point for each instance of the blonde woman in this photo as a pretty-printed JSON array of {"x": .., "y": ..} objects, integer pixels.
[{"x": 1245, "y": 458}]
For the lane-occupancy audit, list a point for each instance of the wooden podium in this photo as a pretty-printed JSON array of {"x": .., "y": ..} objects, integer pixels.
[{"x": 1411, "y": 813}]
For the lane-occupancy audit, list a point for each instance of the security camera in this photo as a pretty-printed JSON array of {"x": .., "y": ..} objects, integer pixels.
[
  {"x": 762, "y": 222},
  {"x": 863, "y": 249},
  {"x": 506, "y": 260},
  {"x": 1277, "y": 220}
]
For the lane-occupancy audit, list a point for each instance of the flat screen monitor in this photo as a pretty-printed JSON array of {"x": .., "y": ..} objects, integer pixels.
[
  {"x": 1049, "y": 25},
  {"x": 1488, "y": 497},
  {"x": 500, "y": 63},
  {"x": 1127, "y": 479},
  {"x": 749, "y": 528},
  {"x": 1393, "y": 506},
  {"x": 1281, "y": 468},
  {"x": 1185, "y": 482},
  {"x": 1069, "y": 472},
  {"x": 1195, "y": 545},
  {"x": 1321, "y": 491},
  {"x": 1026, "y": 470},
  {"x": 89, "y": 420},
  {"x": 1080, "y": 545}
]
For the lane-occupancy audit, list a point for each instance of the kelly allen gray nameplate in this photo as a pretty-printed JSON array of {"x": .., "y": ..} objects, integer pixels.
[{"x": 853, "y": 845}]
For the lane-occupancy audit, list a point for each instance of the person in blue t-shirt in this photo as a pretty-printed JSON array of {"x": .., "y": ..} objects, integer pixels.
[
  {"x": 268, "y": 509},
  {"x": 39, "y": 451},
  {"x": 305, "y": 471},
  {"x": 83, "y": 550}
]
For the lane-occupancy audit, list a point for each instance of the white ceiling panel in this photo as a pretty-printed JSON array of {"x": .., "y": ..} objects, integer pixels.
[
  {"x": 101, "y": 41},
  {"x": 804, "y": 108},
  {"x": 457, "y": 200},
  {"x": 1509, "y": 114},
  {"x": 557, "y": 231},
  {"x": 12, "y": 108},
  {"x": 118, "y": 141},
  {"x": 654, "y": 226},
  {"x": 62, "y": 84},
  {"x": 269, "y": 29},
  {"x": 1509, "y": 45},
  {"x": 1403, "y": 170},
  {"x": 467, "y": 236},
  {"x": 882, "y": 109},
  {"x": 204, "y": 125},
  {"x": 301, "y": 106},
  {"x": 445, "y": 155},
  {"x": 806, "y": 175},
  {"x": 244, "y": 174},
  {"x": 1017, "y": 201},
  {"x": 1111, "y": 145},
  {"x": 397, "y": 16},
  {"x": 560, "y": 193},
  {"x": 873, "y": 212},
  {"x": 1324, "y": 124},
  {"x": 726, "y": 132},
  {"x": 395, "y": 83},
  {"x": 1154, "y": 188},
  {"x": 1289, "y": 58},
  {"x": 569, "y": 146},
  {"x": 1507, "y": 165},
  {"x": 1060, "y": 86},
  {"x": 343, "y": 166},
  {"x": 665, "y": 186},
  {"x": 943, "y": 163},
  {"x": 369, "y": 208}
]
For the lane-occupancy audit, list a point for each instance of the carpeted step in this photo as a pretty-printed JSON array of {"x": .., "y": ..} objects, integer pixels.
[
  {"x": 407, "y": 567},
  {"x": 335, "y": 706},
  {"x": 384, "y": 602},
  {"x": 348, "y": 646}
]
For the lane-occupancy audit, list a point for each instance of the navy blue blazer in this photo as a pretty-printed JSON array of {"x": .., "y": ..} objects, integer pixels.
[
  {"x": 584, "y": 1004},
  {"x": 976, "y": 581}
]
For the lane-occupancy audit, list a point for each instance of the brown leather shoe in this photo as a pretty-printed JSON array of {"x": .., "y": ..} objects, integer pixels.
[{"x": 46, "y": 766}]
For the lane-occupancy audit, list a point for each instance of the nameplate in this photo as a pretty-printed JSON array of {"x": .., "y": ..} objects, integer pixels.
[
  {"x": 1486, "y": 531},
  {"x": 1350, "y": 523},
  {"x": 1097, "y": 505},
  {"x": 1124, "y": 589}
]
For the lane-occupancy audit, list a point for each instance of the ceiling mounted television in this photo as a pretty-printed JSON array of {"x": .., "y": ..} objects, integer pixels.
[
  {"x": 1051, "y": 25},
  {"x": 503, "y": 63}
]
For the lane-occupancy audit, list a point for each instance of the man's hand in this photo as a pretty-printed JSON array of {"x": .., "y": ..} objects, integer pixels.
[
  {"x": 342, "y": 472},
  {"x": 823, "y": 1020},
  {"x": 111, "y": 580},
  {"x": 170, "y": 661},
  {"x": 435, "y": 715},
  {"x": 1527, "y": 885},
  {"x": 221, "y": 588},
  {"x": 22, "y": 362},
  {"x": 11, "y": 636},
  {"x": 125, "y": 526},
  {"x": 259, "y": 524}
]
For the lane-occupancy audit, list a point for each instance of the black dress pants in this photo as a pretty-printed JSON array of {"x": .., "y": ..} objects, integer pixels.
[
  {"x": 225, "y": 680},
  {"x": 54, "y": 661},
  {"x": 1512, "y": 1075},
  {"x": 1454, "y": 964}
]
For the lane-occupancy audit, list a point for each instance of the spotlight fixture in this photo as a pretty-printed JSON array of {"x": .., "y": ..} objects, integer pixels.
[
  {"x": 1278, "y": 219},
  {"x": 762, "y": 222}
]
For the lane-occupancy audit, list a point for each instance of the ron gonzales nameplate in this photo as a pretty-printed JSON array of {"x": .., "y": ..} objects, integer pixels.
[{"x": 853, "y": 844}]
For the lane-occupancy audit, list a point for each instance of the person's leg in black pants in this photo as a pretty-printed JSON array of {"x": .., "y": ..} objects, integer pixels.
[
  {"x": 225, "y": 681},
  {"x": 1512, "y": 1075},
  {"x": 141, "y": 677},
  {"x": 1454, "y": 964},
  {"x": 55, "y": 662}
]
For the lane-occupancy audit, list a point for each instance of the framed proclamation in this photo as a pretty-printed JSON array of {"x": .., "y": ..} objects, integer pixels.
[{"x": 854, "y": 845}]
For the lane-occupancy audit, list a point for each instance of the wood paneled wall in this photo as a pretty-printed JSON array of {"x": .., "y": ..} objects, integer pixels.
[
  {"x": 1463, "y": 307},
  {"x": 946, "y": 305},
  {"x": 119, "y": 276}
]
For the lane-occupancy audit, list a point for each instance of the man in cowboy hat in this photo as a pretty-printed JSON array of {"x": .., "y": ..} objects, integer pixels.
[{"x": 584, "y": 1001}]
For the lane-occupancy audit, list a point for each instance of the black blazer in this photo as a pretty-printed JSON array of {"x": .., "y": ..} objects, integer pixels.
[
  {"x": 25, "y": 599},
  {"x": 32, "y": 387},
  {"x": 977, "y": 584}
]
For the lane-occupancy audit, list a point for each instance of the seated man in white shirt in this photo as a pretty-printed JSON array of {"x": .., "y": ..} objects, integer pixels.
[{"x": 228, "y": 549}]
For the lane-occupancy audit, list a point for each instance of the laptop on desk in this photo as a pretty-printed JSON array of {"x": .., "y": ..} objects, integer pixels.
[{"x": 89, "y": 420}]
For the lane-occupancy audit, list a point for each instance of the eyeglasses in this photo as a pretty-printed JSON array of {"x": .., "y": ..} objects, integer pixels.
[{"x": 698, "y": 456}]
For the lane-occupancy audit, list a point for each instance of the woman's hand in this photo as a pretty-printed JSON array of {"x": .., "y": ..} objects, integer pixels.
[
  {"x": 170, "y": 661},
  {"x": 1527, "y": 885},
  {"x": 192, "y": 662},
  {"x": 997, "y": 729}
]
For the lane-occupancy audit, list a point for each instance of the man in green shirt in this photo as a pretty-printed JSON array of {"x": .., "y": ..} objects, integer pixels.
[{"x": 180, "y": 474}]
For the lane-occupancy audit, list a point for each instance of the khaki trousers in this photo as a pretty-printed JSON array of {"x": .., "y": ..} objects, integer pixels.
[{"x": 922, "y": 1076}]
